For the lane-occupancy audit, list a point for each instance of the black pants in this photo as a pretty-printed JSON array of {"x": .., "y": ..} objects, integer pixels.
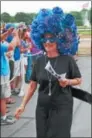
[
  {"x": 11, "y": 64},
  {"x": 53, "y": 123}
]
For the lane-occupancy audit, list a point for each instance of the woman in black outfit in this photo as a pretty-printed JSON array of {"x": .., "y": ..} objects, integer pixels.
[{"x": 55, "y": 102}]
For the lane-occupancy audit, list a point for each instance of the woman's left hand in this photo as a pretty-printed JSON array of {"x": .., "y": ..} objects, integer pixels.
[{"x": 63, "y": 83}]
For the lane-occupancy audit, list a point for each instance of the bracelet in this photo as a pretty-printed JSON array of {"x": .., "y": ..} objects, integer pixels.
[
  {"x": 22, "y": 106},
  {"x": 69, "y": 82}
]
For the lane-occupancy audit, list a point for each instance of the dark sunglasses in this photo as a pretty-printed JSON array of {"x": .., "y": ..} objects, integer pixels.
[{"x": 50, "y": 40}]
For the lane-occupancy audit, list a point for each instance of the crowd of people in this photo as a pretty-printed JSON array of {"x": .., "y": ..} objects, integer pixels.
[{"x": 16, "y": 63}]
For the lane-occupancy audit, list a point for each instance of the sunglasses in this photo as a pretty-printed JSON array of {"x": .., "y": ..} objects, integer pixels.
[{"x": 49, "y": 40}]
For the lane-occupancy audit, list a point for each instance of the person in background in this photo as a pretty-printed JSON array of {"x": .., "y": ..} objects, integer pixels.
[
  {"x": 4, "y": 74},
  {"x": 23, "y": 63},
  {"x": 29, "y": 58},
  {"x": 19, "y": 69},
  {"x": 8, "y": 39},
  {"x": 9, "y": 55},
  {"x": 16, "y": 74},
  {"x": 34, "y": 53}
]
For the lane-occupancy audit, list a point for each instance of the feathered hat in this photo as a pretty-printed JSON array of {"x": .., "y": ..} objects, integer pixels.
[{"x": 61, "y": 25}]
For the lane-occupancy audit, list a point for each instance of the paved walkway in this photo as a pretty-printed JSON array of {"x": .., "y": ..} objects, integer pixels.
[
  {"x": 84, "y": 46},
  {"x": 81, "y": 127}
]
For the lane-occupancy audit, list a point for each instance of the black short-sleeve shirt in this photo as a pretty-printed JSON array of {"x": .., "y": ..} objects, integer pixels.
[{"x": 61, "y": 64}]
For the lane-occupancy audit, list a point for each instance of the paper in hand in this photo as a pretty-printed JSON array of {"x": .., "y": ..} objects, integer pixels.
[{"x": 50, "y": 69}]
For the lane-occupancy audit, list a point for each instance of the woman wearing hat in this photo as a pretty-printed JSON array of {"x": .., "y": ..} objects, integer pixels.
[{"x": 55, "y": 102}]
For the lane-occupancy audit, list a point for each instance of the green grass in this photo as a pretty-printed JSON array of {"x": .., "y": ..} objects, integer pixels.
[
  {"x": 83, "y": 27},
  {"x": 85, "y": 32}
]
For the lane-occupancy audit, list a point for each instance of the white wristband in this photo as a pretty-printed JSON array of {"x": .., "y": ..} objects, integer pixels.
[{"x": 69, "y": 83}]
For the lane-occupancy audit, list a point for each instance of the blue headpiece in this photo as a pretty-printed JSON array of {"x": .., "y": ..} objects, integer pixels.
[
  {"x": 7, "y": 26},
  {"x": 61, "y": 25}
]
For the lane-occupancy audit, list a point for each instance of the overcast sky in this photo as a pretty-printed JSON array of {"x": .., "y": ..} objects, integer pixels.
[{"x": 12, "y": 7}]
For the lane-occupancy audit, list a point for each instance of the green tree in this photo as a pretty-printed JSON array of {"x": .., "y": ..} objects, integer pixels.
[
  {"x": 31, "y": 16},
  {"x": 24, "y": 17},
  {"x": 12, "y": 20},
  {"x": 5, "y": 17},
  {"x": 78, "y": 18},
  {"x": 76, "y": 15},
  {"x": 20, "y": 17}
]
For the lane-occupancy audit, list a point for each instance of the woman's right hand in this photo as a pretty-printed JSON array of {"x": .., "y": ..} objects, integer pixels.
[{"x": 19, "y": 111}]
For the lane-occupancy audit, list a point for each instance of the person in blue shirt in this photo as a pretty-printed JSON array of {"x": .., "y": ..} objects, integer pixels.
[
  {"x": 19, "y": 67},
  {"x": 4, "y": 62},
  {"x": 5, "y": 72}
]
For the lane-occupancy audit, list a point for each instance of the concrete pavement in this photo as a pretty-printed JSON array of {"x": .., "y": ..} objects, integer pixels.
[
  {"x": 81, "y": 127},
  {"x": 84, "y": 47}
]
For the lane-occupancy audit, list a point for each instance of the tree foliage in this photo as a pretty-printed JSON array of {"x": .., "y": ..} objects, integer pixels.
[
  {"x": 78, "y": 17},
  {"x": 5, "y": 17},
  {"x": 28, "y": 17},
  {"x": 24, "y": 17}
]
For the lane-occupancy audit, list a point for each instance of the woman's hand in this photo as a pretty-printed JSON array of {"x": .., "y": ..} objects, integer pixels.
[
  {"x": 9, "y": 54},
  {"x": 70, "y": 82},
  {"x": 19, "y": 111},
  {"x": 10, "y": 30},
  {"x": 63, "y": 83}
]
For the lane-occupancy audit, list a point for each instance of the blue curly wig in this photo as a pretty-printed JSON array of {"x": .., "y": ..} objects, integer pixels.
[{"x": 59, "y": 24}]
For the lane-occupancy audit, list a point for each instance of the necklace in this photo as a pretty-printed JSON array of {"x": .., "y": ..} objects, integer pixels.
[{"x": 50, "y": 76}]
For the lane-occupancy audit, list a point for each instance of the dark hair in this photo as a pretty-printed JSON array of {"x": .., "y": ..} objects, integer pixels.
[{"x": 22, "y": 32}]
